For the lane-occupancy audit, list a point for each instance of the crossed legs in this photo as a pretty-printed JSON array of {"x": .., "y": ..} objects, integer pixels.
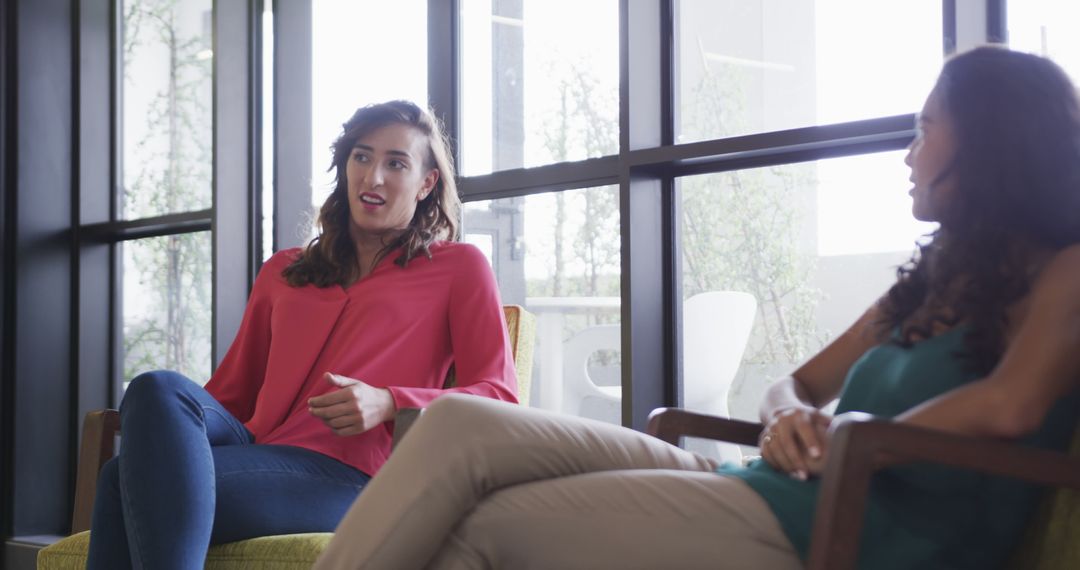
[{"x": 484, "y": 484}]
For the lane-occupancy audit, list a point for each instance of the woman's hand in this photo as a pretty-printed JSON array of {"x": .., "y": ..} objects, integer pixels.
[
  {"x": 795, "y": 441},
  {"x": 354, "y": 408}
]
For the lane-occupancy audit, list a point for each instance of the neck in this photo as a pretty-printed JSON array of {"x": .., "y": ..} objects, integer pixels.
[{"x": 368, "y": 245}]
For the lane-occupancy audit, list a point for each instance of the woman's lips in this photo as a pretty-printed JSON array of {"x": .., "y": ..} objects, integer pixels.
[{"x": 371, "y": 201}]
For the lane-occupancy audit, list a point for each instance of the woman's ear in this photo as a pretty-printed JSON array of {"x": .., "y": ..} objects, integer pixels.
[{"x": 430, "y": 180}]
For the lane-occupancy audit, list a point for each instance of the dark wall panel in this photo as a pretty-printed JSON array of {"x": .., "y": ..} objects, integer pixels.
[
  {"x": 7, "y": 273},
  {"x": 42, "y": 266}
]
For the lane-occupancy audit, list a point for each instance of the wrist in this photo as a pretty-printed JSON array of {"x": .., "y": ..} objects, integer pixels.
[
  {"x": 768, "y": 415},
  {"x": 389, "y": 404}
]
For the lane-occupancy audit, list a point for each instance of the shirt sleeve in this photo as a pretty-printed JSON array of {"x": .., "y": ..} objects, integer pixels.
[
  {"x": 483, "y": 361},
  {"x": 236, "y": 382}
]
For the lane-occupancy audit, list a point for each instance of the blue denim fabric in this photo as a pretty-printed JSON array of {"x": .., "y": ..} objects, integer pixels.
[{"x": 189, "y": 474}]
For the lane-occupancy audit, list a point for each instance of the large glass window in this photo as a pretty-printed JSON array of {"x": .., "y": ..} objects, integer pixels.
[
  {"x": 167, "y": 143},
  {"x": 558, "y": 255},
  {"x": 363, "y": 51},
  {"x": 746, "y": 67},
  {"x": 1047, "y": 27},
  {"x": 166, "y": 305},
  {"x": 539, "y": 82},
  {"x": 167, "y": 151},
  {"x": 777, "y": 261}
]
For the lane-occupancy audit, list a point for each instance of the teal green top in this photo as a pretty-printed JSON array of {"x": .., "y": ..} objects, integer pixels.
[{"x": 918, "y": 516}]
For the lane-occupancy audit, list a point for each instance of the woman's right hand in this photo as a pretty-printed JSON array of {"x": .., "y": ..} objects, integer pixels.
[{"x": 795, "y": 441}]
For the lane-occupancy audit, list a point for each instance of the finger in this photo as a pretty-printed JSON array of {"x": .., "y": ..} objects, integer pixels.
[
  {"x": 338, "y": 429},
  {"x": 772, "y": 452},
  {"x": 793, "y": 450},
  {"x": 339, "y": 380},
  {"x": 807, "y": 434},
  {"x": 342, "y": 422},
  {"x": 349, "y": 407},
  {"x": 330, "y": 398},
  {"x": 351, "y": 430}
]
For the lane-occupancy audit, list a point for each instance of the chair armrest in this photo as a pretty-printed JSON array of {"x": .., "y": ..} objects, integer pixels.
[
  {"x": 669, "y": 424},
  {"x": 97, "y": 447},
  {"x": 403, "y": 420},
  {"x": 858, "y": 448}
]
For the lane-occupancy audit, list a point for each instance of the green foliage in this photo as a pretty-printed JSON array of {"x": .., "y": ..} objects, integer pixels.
[
  {"x": 587, "y": 125},
  {"x": 740, "y": 229},
  {"x": 168, "y": 170}
]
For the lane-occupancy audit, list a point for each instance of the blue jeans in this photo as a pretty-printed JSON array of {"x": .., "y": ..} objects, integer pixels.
[{"x": 189, "y": 475}]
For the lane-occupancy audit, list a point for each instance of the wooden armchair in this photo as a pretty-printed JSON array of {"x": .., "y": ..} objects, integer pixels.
[
  {"x": 859, "y": 448},
  {"x": 100, "y": 430}
]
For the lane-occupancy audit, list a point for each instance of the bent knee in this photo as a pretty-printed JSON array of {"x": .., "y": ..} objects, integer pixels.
[
  {"x": 152, "y": 386},
  {"x": 109, "y": 478},
  {"x": 458, "y": 413}
]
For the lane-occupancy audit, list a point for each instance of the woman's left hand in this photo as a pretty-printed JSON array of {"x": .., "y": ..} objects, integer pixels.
[{"x": 354, "y": 407}]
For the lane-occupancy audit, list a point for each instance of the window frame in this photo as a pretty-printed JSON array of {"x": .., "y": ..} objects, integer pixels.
[{"x": 645, "y": 170}]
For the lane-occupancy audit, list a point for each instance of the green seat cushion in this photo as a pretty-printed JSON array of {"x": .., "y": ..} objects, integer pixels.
[{"x": 284, "y": 552}]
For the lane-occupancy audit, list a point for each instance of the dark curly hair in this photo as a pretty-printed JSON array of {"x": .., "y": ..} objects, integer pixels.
[
  {"x": 330, "y": 258},
  {"x": 1016, "y": 125}
]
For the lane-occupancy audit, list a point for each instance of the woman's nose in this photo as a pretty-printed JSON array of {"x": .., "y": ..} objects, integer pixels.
[{"x": 373, "y": 176}]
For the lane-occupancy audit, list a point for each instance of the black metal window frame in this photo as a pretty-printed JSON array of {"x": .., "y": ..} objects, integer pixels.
[{"x": 645, "y": 170}]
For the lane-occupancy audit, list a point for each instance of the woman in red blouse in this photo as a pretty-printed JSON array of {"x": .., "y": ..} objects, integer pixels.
[{"x": 335, "y": 338}]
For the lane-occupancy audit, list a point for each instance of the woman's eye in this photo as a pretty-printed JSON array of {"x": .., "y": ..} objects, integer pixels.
[
  {"x": 397, "y": 164},
  {"x": 359, "y": 157}
]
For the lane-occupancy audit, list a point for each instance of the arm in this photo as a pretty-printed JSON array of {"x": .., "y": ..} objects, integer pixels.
[
  {"x": 482, "y": 358},
  {"x": 819, "y": 380},
  {"x": 481, "y": 355},
  {"x": 794, "y": 439},
  {"x": 1041, "y": 364},
  {"x": 238, "y": 378}
]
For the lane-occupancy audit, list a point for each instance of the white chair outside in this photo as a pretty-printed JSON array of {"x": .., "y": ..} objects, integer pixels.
[{"x": 716, "y": 328}]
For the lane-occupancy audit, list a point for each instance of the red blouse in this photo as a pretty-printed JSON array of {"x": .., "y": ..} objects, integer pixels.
[{"x": 397, "y": 328}]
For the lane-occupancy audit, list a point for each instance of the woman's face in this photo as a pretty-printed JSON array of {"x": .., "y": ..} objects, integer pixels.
[
  {"x": 387, "y": 177},
  {"x": 929, "y": 157}
]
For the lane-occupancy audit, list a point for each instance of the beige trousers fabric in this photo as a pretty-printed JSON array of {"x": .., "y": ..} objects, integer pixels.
[{"x": 479, "y": 483}]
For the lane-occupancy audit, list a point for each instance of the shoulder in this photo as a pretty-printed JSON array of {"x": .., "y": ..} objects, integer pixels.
[
  {"x": 1065, "y": 264},
  {"x": 1059, "y": 279},
  {"x": 272, "y": 268},
  {"x": 282, "y": 259},
  {"x": 459, "y": 254}
]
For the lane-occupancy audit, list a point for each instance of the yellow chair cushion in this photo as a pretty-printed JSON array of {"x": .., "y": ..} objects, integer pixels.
[{"x": 284, "y": 552}]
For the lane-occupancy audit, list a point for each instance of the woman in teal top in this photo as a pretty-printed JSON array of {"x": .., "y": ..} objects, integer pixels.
[{"x": 979, "y": 336}]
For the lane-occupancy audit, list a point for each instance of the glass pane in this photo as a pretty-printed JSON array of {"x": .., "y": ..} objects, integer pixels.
[
  {"x": 539, "y": 82},
  {"x": 1047, "y": 27},
  {"x": 775, "y": 262},
  {"x": 166, "y": 305},
  {"x": 746, "y": 67},
  {"x": 557, "y": 254},
  {"x": 167, "y": 142},
  {"x": 363, "y": 51}
]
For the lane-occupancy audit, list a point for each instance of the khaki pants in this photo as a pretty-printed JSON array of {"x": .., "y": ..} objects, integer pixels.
[{"x": 479, "y": 483}]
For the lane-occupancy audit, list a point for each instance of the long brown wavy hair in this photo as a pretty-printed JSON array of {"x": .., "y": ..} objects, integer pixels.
[
  {"x": 1016, "y": 123},
  {"x": 330, "y": 258}
]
